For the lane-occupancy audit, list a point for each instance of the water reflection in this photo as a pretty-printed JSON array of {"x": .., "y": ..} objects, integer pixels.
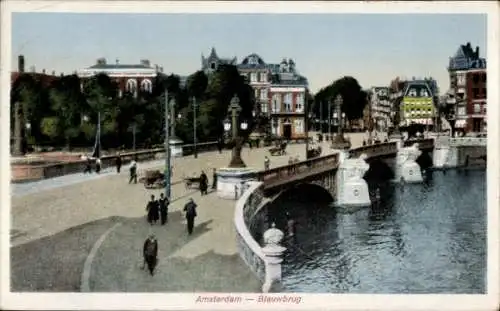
[{"x": 429, "y": 238}]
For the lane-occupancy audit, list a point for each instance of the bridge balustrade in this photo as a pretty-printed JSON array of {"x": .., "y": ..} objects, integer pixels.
[
  {"x": 303, "y": 167},
  {"x": 375, "y": 150},
  {"x": 427, "y": 143},
  {"x": 468, "y": 141}
]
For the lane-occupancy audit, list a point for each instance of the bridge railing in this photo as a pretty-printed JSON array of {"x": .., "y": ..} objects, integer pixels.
[
  {"x": 374, "y": 150},
  {"x": 64, "y": 168},
  {"x": 425, "y": 143},
  {"x": 469, "y": 141},
  {"x": 280, "y": 172}
]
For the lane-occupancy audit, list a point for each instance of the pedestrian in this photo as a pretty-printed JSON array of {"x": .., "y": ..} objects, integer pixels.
[
  {"x": 290, "y": 162},
  {"x": 258, "y": 142},
  {"x": 163, "y": 203},
  {"x": 88, "y": 166},
  {"x": 98, "y": 165},
  {"x": 214, "y": 182},
  {"x": 152, "y": 209},
  {"x": 150, "y": 253},
  {"x": 118, "y": 163},
  {"x": 267, "y": 163},
  {"x": 219, "y": 145},
  {"x": 203, "y": 183},
  {"x": 190, "y": 209},
  {"x": 133, "y": 172}
]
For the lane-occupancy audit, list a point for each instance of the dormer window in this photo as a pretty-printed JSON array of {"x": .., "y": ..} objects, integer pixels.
[
  {"x": 252, "y": 60},
  {"x": 212, "y": 65}
]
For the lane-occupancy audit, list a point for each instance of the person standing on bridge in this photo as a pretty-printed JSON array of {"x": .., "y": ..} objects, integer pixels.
[
  {"x": 150, "y": 253},
  {"x": 190, "y": 209},
  {"x": 152, "y": 209},
  {"x": 98, "y": 165},
  {"x": 267, "y": 163},
  {"x": 203, "y": 183},
  {"x": 133, "y": 172},
  {"x": 214, "y": 182},
  {"x": 118, "y": 163},
  {"x": 163, "y": 203}
]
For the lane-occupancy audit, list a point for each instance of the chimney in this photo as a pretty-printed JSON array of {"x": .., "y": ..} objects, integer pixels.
[
  {"x": 43, "y": 71},
  {"x": 101, "y": 61},
  {"x": 161, "y": 69},
  {"x": 145, "y": 62},
  {"x": 54, "y": 73},
  {"x": 477, "y": 51},
  {"x": 62, "y": 74},
  {"x": 157, "y": 68},
  {"x": 20, "y": 63},
  {"x": 117, "y": 61}
]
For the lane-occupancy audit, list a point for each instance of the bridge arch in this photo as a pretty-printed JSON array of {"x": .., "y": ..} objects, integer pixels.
[
  {"x": 306, "y": 192},
  {"x": 379, "y": 171}
]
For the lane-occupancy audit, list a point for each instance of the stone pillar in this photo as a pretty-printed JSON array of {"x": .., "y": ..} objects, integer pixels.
[
  {"x": 230, "y": 181},
  {"x": 176, "y": 150},
  {"x": 352, "y": 189},
  {"x": 274, "y": 257},
  {"x": 407, "y": 169}
]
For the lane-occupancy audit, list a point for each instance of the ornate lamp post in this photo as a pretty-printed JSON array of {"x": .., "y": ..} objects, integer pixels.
[
  {"x": 339, "y": 141},
  {"x": 235, "y": 109}
]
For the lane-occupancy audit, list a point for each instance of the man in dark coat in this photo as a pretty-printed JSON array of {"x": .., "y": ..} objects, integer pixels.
[
  {"x": 118, "y": 163},
  {"x": 190, "y": 209},
  {"x": 214, "y": 176},
  {"x": 219, "y": 145},
  {"x": 203, "y": 183},
  {"x": 88, "y": 166},
  {"x": 152, "y": 209},
  {"x": 163, "y": 202},
  {"x": 150, "y": 253}
]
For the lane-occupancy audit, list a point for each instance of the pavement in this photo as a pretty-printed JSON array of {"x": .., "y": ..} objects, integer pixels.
[{"x": 85, "y": 233}]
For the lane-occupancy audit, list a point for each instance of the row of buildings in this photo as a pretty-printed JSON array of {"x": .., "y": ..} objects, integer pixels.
[
  {"x": 280, "y": 91},
  {"x": 463, "y": 106}
]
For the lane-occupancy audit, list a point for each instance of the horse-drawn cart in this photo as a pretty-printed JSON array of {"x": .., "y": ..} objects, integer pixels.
[
  {"x": 192, "y": 182},
  {"x": 153, "y": 179},
  {"x": 278, "y": 150}
]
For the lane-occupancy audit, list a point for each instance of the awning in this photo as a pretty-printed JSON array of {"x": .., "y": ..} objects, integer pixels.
[{"x": 460, "y": 123}]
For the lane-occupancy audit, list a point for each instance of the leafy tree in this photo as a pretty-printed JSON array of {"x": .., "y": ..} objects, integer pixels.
[
  {"x": 354, "y": 98},
  {"x": 50, "y": 127},
  {"x": 197, "y": 84}
]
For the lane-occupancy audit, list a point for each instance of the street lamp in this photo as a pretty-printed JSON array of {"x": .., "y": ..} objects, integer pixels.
[
  {"x": 167, "y": 148},
  {"x": 339, "y": 142},
  {"x": 235, "y": 109},
  {"x": 195, "y": 139}
]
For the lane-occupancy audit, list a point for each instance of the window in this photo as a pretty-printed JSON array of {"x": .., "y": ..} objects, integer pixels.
[
  {"x": 475, "y": 78},
  {"x": 484, "y": 92},
  {"x": 212, "y": 65},
  {"x": 412, "y": 93},
  {"x": 477, "y": 108},
  {"x": 131, "y": 85},
  {"x": 424, "y": 93},
  {"x": 276, "y": 103},
  {"x": 256, "y": 91},
  {"x": 264, "y": 107},
  {"x": 475, "y": 92},
  {"x": 299, "y": 102},
  {"x": 298, "y": 126},
  {"x": 288, "y": 102},
  {"x": 252, "y": 60},
  {"x": 253, "y": 77},
  {"x": 461, "y": 111},
  {"x": 263, "y": 77},
  {"x": 147, "y": 86},
  {"x": 461, "y": 79},
  {"x": 263, "y": 94},
  {"x": 483, "y": 77}
]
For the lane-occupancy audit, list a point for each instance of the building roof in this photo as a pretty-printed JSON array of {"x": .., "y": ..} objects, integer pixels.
[
  {"x": 466, "y": 58},
  {"x": 119, "y": 66}
]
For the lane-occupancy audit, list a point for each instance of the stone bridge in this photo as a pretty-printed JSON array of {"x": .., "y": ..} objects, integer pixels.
[{"x": 331, "y": 173}]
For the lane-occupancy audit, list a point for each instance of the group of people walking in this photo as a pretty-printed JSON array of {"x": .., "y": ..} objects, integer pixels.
[{"x": 157, "y": 210}]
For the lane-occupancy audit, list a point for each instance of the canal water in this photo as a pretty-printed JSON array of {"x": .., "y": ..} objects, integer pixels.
[{"x": 420, "y": 238}]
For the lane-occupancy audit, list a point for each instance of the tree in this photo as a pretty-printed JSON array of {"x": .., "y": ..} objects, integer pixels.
[
  {"x": 197, "y": 84},
  {"x": 50, "y": 127},
  {"x": 354, "y": 98},
  {"x": 66, "y": 103}
]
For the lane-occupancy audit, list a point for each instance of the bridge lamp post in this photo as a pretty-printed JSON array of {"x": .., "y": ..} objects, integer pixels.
[
  {"x": 339, "y": 142},
  {"x": 167, "y": 146},
  {"x": 235, "y": 109}
]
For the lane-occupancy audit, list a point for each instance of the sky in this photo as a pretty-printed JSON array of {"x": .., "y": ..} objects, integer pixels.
[{"x": 373, "y": 48}]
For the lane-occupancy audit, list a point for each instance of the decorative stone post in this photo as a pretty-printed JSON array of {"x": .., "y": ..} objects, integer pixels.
[
  {"x": 274, "y": 257},
  {"x": 352, "y": 189},
  {"x": 407, "y": 169}
]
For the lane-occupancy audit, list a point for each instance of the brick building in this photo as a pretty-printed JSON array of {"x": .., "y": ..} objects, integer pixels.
[
  {"x": 129, "y": 77},
  {"x": 466, "y": 96},
  {"x": 44, "y": 77}
]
